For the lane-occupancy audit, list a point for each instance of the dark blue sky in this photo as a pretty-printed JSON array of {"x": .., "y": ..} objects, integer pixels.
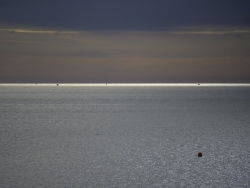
[
  {"x": 125, "y": 41},
  {"x": 124, "y": 14}
]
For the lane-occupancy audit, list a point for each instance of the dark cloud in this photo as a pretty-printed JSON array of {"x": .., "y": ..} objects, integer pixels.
[{"x": 124, "y": 14}]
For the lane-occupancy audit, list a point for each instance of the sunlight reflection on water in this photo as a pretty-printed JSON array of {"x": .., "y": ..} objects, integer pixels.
[{"x": 124, "y": 136}]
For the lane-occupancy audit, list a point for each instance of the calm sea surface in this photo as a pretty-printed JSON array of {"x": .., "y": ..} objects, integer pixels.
[{"x": 69, "y": 136}]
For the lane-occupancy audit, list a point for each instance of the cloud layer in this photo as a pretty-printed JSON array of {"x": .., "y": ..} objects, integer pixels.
[
  {"x": 181, "y": 55},
  {"x": 123, "y": 14}
]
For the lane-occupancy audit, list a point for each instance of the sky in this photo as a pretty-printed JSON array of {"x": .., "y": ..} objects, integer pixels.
[{"x": 125, "y": 41}]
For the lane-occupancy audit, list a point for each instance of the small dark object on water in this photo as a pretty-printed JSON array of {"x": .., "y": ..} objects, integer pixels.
[
  {"x": 199, "y": 154},
  {"x": 57, "y": 84}
]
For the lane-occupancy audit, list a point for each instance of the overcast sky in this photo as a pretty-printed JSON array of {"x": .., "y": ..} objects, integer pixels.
[{"x": 131, "y": 41}]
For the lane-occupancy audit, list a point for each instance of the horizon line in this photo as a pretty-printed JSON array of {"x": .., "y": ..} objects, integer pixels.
[{"x": 125, "y": 84}]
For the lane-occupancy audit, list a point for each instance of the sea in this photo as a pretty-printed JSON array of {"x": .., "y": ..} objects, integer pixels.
[{"x": 124, "y": 135}]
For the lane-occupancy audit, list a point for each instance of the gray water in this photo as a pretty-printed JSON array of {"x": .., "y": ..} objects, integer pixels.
[{"x": 124, "y": 136}]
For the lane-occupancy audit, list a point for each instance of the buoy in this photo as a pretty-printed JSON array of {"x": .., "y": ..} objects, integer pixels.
[{"x": 199, "y": 154}]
